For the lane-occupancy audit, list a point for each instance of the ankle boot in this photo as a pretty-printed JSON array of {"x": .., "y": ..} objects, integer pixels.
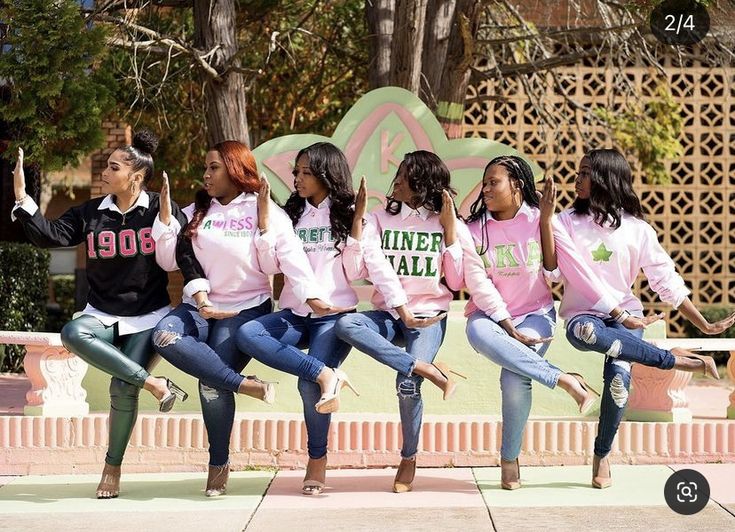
[
  {"x": 217, "y": 480},
  {"x": 510, "y": 474},
  {"x": 601, "y": 477},
  {"x": 405, "y": 475}
]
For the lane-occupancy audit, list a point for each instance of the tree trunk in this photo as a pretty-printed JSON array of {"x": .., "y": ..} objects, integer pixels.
[
  {"x": 225, "y": 98},
  {"x": 379, "y": 15},
  {"x": 406, "y": 48},
  {"x": 456, "y": 76},
  {"x": 439, "y": 18}
]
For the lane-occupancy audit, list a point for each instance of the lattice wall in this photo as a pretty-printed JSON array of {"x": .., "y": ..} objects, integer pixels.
[{"x": 693, "y": 214}]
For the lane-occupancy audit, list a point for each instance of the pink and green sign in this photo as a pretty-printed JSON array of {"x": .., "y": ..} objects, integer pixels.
[{"x": 375, "y": 134}]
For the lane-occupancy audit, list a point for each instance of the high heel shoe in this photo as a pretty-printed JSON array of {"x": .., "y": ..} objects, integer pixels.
[
  {"x": 259, "y": 389},
  {"x": 405, "y": 475},
  {"x": 449, "y": 386},
  {"x": 510, "y": 474},
  {"x": 316, "y": 471},
  {"x": 329, "y": 401},
  {"x": 217, "y": 480},
  {"x": 601, "y": 482},
  {"x": 592, "y": 394},
  {"x": 109, "y": 486},
  {"x": 684, "y": 358},
  {"x": 174, "y": 392}
]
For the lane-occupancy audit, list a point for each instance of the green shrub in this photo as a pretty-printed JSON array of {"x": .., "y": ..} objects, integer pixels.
[
  {"x": 64, "y": 294},
  {"x": 23, "y": 292},
  {"x": 713, "y": 314}
]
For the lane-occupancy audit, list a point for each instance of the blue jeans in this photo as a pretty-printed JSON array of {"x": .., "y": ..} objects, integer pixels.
[
  {"x": 206, "y": 349},
  {"x": 277, "y": 339},
  {"x": 622, "y": 347},
  {"x": 521, "y": 364},
  {"x": 381, "y": 336}
]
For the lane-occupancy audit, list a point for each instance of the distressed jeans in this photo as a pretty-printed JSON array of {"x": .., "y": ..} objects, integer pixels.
[
  {"x": 521, "y": 364},
  {"x": 378, "y": 334},
  {"x": 622, "y": 347},
  {"x": 206, "y": 349}
]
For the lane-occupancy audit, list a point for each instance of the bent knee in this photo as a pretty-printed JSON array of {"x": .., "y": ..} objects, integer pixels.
[
  {"x": 409, "y": 388},
  {"x": 346, "y": 323},
  {"x": 163, "y": 337},
  {"x": 582, "y": 332}
]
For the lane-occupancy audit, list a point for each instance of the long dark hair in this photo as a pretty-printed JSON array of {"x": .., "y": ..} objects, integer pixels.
[
  {"x": 520, "y": 173},
  {"x": 242, "y": 170},
  {"x": 329, "y": 165},
  {"x": 427, "y": 177},
  {"x": 139, "y": 154},
  {"x": 611, "y": 189}
]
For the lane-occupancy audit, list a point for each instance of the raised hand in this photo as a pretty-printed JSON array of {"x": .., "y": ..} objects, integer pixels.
[
  {"x": 264, "y": 195},
  {"x": 547, "y": 200},
  {"x": 164, "y": 210},
  {"x": 530, "y": 341},
  {"x": 448, "y": 218},
  {"x": 19, "y": 177},
  {"x": 361, "y": 200}
]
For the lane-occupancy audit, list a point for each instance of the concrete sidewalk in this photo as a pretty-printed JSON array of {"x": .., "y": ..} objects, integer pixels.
[{"x": 458, "y": 499}]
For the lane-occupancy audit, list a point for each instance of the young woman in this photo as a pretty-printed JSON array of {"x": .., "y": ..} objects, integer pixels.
[
  {"x": 607, "y": 225},
  {"x": 225, "y": 287},
  {"x": 511, "y": 311},
  {"x": 321, "y": 209},
  {"x": 417, "y": 232},
  {"x": 127, "y": 288}
]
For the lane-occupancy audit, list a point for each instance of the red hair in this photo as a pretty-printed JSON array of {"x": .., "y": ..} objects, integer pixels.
[
  {"x": 242, "y": 171},
  {"x": 240, "y": 164}
]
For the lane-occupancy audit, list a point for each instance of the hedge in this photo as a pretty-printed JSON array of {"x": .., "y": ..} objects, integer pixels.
[{"x": 23, "y": 293}]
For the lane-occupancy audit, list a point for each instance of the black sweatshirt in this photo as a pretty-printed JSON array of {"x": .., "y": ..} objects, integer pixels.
[{"x": 124, "y": 278}]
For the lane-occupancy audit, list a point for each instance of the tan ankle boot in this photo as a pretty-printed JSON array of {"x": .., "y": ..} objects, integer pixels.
[
  {"x": 217, "y": 480},
  {"x": 510, "y": 474},
  {"x": 601, "y": 477},
  {"x": 405, "y": 475}
]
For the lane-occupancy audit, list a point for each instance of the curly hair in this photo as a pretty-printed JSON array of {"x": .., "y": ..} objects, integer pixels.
[
  {"x": 242, "y": 171},
  {"x": 329, "y": 165},
  {"x": 611, "y": 189},
  {"x": 427, "y": 177},
  {"x": 519, "y": 172}
]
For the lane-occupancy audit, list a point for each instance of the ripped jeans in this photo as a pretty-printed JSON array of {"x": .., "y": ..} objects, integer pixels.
[
  {"x": 380, "y": 335},
  {"x": 622, "y": 347},
  {"x": 207, "y": 350}
]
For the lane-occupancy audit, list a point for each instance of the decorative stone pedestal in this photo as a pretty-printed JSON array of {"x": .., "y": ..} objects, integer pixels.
[
  {"x": 55, "y": 374},
  {"x": 658, "y": 395}
]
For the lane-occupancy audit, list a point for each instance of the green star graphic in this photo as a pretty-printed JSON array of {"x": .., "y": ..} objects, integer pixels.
[{"x": 601, "y": 254}]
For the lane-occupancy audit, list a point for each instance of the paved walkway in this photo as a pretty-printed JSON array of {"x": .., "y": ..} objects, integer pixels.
[{"x": 461, "y": 499}]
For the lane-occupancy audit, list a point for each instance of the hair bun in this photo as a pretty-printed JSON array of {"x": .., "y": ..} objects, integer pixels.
[{"x": 145, "y": 141}]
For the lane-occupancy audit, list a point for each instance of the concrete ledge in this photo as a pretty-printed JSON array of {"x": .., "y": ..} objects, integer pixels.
[{"x": 43, "y": 445}]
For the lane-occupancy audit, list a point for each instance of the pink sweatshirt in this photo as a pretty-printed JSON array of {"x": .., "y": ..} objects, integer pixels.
[
  {"x": 617, "y": 256},
  {"x": 333, "y": 272},
  {"x": 513, "y": 262},
  {"x": 227, "y": 249},
  {"x": 412, "y": 241}
]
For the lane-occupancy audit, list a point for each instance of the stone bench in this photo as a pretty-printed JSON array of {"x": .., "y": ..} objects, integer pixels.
[
  {"x": 659, "y": 395},
  {"x": 55, "y": 374},
  {"x": 56, "y": 379}
]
